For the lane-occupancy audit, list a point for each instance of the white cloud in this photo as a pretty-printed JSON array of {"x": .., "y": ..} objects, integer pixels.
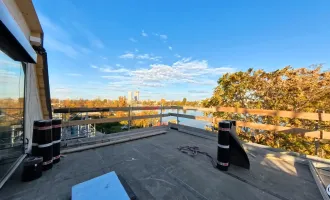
[
  {"x": 136, "y": 50},
  {"x": 144, "y": 34},
  {"x": 104, "y": 58},
  {"x": 163, "y": 37},
  {"x": 111, "y": 70},
  {"x": 186, "y": 70},
  {"x": 132, "y": 40},
  {"x": 94, "y": 41},
  {"x": 9, "y": 63},
  {"x": 170, "y": 48},
  {"x": 59, "y": 46},
  {"x": 177, "y": 55},
  {"x": 118, "y": 65},
  {"x": 182, "y": 71},
  {"x": 140, "y": 57},
  {"x": 148, "y": 57},
  {"x": 73, "y": 74},
  {"x": 127, "y": 56},
  {"x": 119, "y": 77},
  {"x": 94, "y": 66}
]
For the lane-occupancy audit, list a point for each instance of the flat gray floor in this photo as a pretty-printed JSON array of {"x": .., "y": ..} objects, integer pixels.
[{"x": 155, "y": 169}]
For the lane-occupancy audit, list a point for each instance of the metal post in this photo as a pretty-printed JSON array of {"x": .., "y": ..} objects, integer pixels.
[
  {"x": 129, "y": 117},
  {"x": 320, "y": 123},
  {"x": 320, "y": 126},
  {"x": 94, "y": 129},
  {"x": 177, "y": 116},
  {"x": 161, "y": 115}
]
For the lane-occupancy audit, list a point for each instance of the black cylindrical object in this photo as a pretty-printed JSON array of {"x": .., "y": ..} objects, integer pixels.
[
  {"x": 32, "y": 168},
  {"x": 45, "y": 145},
  {"x": 56, "y": 134},
  {"x": 223, "y": 145},
  {"x": 35, "y": 138}
]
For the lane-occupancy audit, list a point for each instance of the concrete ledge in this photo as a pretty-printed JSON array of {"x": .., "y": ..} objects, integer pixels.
[
  {"x": 111, "y": 137},
  {"x": 126, "y": 139}
]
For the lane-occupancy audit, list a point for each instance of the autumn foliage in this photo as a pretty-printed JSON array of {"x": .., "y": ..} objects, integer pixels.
[{"x": 301, "y": 90}]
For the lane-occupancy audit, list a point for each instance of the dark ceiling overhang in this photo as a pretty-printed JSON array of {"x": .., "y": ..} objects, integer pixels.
[{"x": 13, "y": 41}]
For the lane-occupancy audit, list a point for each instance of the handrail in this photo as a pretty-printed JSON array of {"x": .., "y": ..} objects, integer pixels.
[
  {"x": 111, "y": 119},
  {"x": 261, "y": 112},
  {"x": 320, "y": 116},
  {"x": 267, "y": 127},
  {"x": 111, "y": 109}
]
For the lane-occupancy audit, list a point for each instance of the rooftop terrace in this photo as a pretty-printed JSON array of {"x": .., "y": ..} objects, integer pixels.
[{"x": 155, "y": 169}]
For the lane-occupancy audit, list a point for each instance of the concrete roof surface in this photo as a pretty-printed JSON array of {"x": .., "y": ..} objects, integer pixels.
[{"x": 155, "y": 169}]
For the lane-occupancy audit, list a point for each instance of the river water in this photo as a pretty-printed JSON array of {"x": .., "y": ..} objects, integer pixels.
[{"x": 184, "y": 121}]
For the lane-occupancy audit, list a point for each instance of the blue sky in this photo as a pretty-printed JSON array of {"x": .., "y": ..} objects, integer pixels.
[{"x": 175, "y": 49}]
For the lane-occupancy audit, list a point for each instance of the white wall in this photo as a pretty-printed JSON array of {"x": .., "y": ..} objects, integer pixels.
[{"x": 32, "y": 103}]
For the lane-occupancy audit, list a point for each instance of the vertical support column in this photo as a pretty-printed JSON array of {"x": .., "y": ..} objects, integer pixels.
[
  {"x": 320, "y": 127},
  {"x": 177, "y": 116},
  {"x": 129, "y": 117},
  {"x": 94, "y": 129},
  {"x": 161, "y": 115},
  {"x": 320, "y": 122}
]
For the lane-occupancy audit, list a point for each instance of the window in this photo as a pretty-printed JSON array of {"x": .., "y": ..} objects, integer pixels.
[{"x": 11, "y": 111}]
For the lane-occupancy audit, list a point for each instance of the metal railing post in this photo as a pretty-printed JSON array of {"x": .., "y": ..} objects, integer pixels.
[
  {"x": 320, "y": 127},
  {"x": 161, "y": 116},
  {"x": 177, "y": 114},
  {"x": 129, "y": 117}
]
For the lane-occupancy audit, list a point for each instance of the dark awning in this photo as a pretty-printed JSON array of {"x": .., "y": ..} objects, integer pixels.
[{"x": 12, "y": 40}]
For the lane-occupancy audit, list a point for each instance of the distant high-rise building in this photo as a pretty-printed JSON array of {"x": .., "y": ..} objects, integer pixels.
[
  {"x": 129, "y": 96},
  {"x": 136, "y": 95}
]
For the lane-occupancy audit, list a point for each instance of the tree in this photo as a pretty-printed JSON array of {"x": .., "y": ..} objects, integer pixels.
[
  {"x": 162, "y": 102},
  {"x": 184, "y": 101},
  {"x": 301, "y": 90}
]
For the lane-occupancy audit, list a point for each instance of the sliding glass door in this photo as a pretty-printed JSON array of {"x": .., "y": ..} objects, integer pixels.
[{"x": 11, "y": 112}]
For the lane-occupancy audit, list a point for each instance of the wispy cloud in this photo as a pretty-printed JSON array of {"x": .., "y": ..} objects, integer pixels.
[
  {"x": 62, "y": 47},
  {"x": 59, "y": 39},
  {"x": 127, "y": 56},
  {"x": 94, "y": 41},
  {"x": 163, "y": 37},
  {"x": 177, "y": 55},
  {"x": 94, "y": 66},
  {"x": 73, "y": 74},
  {"x": 111, "y": 70},
  {"x": 133, "y": 40},
  {"x": 170, "y": 48},
  {"x": 8, "y": 63},
  {"x": 145, "y": 56},
  {"x": 144, "y": 34},
  {"x": 148, "y": 57}
]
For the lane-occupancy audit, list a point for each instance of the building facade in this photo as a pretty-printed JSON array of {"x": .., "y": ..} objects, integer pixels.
[{"x": 24, "y": 85}]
